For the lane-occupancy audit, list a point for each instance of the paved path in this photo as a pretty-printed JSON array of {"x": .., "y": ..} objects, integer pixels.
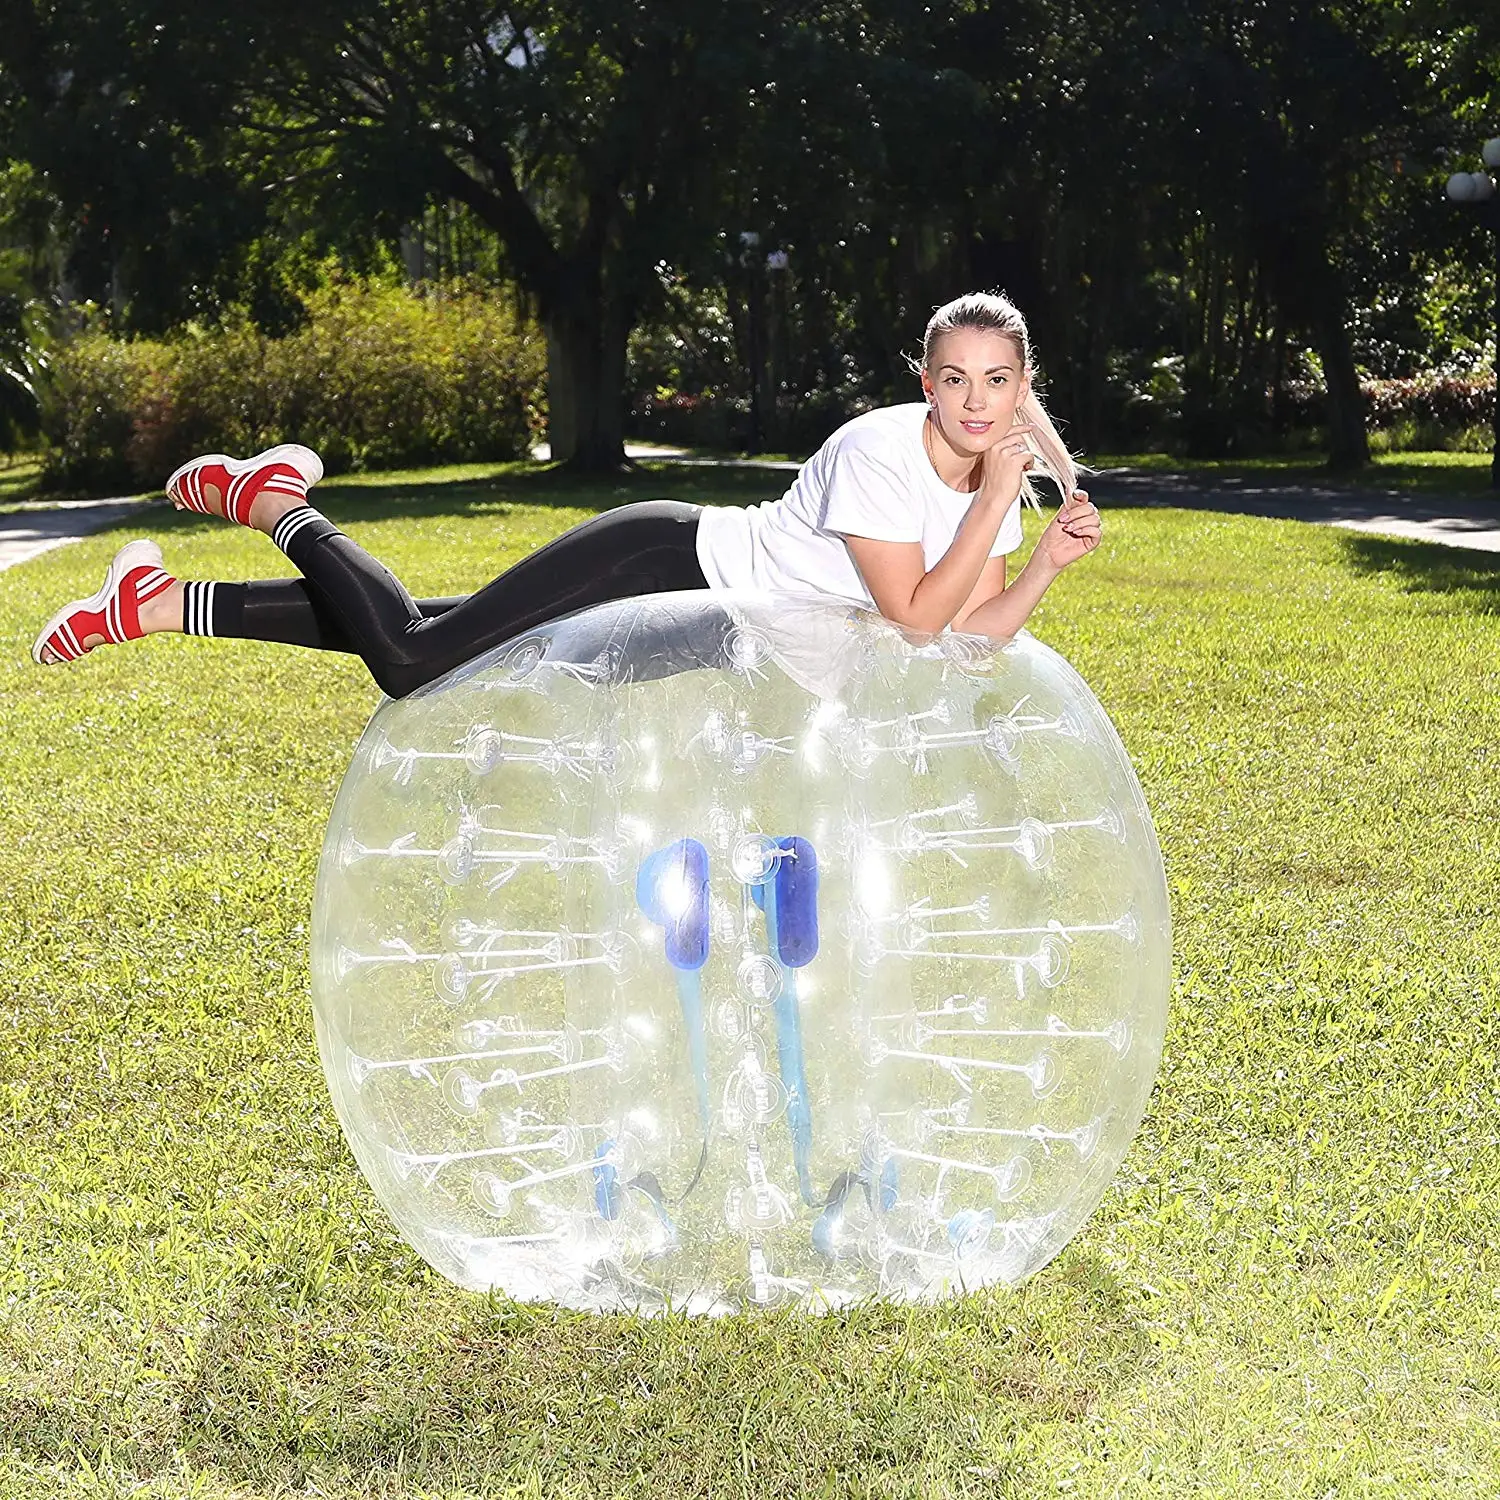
[
  {"x": 1459, "y": 521},
  {"x": 33, "y": 529},
  {"x": 1469, "y": 521}
]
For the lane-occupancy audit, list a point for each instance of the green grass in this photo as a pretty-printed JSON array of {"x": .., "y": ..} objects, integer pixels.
[
  {"x": 1293, "y": 1288},
  {"x": 20, "y": 473}
]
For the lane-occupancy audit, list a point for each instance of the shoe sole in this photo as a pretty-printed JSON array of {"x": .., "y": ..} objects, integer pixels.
[
  {"x": 138, "y": 554},
  {"x": 303, "y": 460}
]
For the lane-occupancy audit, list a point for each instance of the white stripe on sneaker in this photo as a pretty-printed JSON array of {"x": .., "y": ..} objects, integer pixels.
[{"x": 151, "y": 583}]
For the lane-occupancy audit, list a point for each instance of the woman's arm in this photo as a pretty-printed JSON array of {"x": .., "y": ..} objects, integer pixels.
[
  {"x": 905, "y": 590},
  {"x": 991, "y": 584},
  {"x": 1072, "y": 533}
]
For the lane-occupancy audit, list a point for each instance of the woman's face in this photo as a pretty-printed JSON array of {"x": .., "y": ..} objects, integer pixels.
[{"x": 975, "y": 381}]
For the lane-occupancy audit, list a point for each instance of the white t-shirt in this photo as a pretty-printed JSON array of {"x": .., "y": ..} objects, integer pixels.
[{"x": 871, "y": 478}]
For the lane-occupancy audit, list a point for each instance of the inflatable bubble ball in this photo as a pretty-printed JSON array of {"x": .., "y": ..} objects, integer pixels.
[{"x": 707, "y": 951}]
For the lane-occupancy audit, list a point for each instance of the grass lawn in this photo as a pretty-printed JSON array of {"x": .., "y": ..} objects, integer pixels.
[
  {"x": 19, "y": 476},
  {"x": 1293, "y": 1289}
]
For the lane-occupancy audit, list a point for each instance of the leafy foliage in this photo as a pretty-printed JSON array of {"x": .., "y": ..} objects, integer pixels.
[
  {"x": 1240, "y": 189},
  {"x": 376, "y": 377},
  {"x": 1447, "y": 401},
  {"x": 27, "y": 300}
]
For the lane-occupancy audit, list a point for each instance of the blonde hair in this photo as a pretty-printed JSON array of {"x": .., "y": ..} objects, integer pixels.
[{"x": 993, "y": 312}]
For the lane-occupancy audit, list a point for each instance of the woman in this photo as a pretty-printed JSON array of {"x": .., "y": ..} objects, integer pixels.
[{"x": 911, "y": 510}]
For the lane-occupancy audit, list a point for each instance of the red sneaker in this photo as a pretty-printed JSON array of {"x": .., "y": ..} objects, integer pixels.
[
  {"x": 289, "y": 469},
  {"x": 135, "y": 575}
]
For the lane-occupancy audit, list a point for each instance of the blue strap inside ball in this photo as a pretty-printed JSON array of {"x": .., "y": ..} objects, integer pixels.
[{"x": 795, "y": 890}]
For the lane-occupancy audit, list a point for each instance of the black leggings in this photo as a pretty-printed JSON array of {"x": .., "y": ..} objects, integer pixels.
[{"x": 347, "y": 601}]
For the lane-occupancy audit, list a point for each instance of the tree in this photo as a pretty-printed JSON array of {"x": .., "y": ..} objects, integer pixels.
[
  {"x": 1290, "y": 122},
  {"x": 121, "y": 119},
  {"x": 604, "y": 139},
  {"x": 1149, "y": 180},
  {"x": 592, "y": 137}
]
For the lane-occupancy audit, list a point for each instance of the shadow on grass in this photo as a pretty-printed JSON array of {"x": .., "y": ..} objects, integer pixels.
[
  {"x": 1470, "y": 577},
  {"x": 592, "y": 1404},
  {"x": 909, "y": 1399}
]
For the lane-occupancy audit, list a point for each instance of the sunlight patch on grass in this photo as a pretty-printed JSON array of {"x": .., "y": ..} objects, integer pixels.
[
  {"x": 20, "y": 473},
  {"x": 1290, "y": 1290}
]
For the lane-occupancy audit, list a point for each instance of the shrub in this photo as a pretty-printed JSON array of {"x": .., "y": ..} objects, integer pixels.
[
  {"x": 797, "y": 424},
  {"x": 1425, "y": 411},
  {"x": 377, "y": 377},
  {"x": 97, "y": 388},
  {"x": 1445, "y": 403},
  {"x": 688, "y": 421}
]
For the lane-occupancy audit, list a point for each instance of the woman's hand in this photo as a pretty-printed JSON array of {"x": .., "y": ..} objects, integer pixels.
[
  {"x": 1072, "y": 533},
  {"x": 1004, "y": 466}
]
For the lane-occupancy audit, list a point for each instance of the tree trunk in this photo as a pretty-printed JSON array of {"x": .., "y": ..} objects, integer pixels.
[
  {"x": 586, "y": 337},
  {"x": 1348, "y": 442}
]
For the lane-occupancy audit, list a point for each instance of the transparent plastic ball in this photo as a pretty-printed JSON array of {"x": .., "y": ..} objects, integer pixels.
[{"x": 707, "y": 951}]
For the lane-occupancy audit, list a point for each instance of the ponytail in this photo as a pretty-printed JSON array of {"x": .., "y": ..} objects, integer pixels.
[{"x": 1056, "y": 462}]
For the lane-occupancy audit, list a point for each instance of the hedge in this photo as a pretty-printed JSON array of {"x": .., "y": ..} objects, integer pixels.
[
  {"x": 377, "y": 377},
  {"x": 1447, "y": 402}
]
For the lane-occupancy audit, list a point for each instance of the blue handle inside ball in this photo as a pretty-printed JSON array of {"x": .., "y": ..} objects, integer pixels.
[
  {"x": 671, "y": 887},
  {"x": 606, "y": 1183}
]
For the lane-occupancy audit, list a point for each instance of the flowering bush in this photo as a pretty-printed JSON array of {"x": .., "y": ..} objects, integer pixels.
[{"x": 1433, "y": 410}]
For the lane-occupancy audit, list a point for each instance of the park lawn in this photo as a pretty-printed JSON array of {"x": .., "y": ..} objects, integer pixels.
[{"x": 1293, "y": 1289}]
